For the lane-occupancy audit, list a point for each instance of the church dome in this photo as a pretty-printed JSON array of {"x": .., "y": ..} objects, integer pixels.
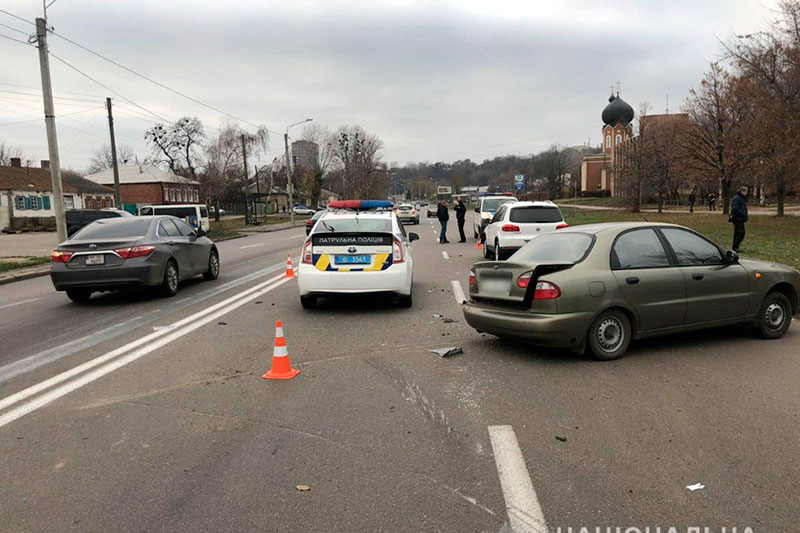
[{"x": 618, "y": 111}]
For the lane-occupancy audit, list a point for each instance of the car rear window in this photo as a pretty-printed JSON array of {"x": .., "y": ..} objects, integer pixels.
[
  {"x": 354, "y": 225},
  {"x": 491, "y": 204},
  {"x": 114, "y": 228},
  {"x": 532, "y": 214},
  {"x": 405, "y": 208},
  {"x": 561, "y": 247},
  {"x": 179, "y": 212}
]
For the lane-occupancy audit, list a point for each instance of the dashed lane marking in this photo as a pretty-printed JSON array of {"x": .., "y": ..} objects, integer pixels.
[
  {"x": 445, "y": 255},
  {"x": 253, "y": 245},
  {"x": 458, "y": 292},
  {"x": 19, "y": 303},
  {"x": 522, "y": 506}
]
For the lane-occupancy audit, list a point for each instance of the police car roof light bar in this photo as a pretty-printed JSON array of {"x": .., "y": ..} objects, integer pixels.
[{"x": 360, "y": 205}]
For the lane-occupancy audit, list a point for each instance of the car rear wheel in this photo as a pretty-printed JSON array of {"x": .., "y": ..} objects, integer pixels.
[
  {"x": 308, "y": 302},
  {"x": 79, "y": 295},
  {"x": 610, "y": 335},
  {"x": 213, "y": 267},
  {"x": 486, "y": 252},
  {"x": 775, "y": 316},
  {"x": 499, "y": 254},
  {"x": 169, "y": 287}
]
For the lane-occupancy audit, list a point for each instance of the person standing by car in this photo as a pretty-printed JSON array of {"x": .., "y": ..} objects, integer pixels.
[
  {"x": 443, "y": 216},
  {"x": 461, "y": 213},
  {"x": 738, "y": 217},
  {"x": 712, "y": 201},
  {"x": 692, "y": 200}
]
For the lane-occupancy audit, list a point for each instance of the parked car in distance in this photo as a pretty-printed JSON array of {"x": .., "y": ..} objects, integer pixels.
[
  {"x": 407, "y": 213},
  {"x": 212, "y": 210},
  {"x": 516, "y": 223},
  {"x": 431, "y": 211},
  {"x": 603, "y": 285},
  {"x": 196, "y": 215},
  {"x": 313, "y": 220},
  {"x": 302, "y": 210},
  {"x": 78, "y": 218},
  {"x": 126, "y": 252}
]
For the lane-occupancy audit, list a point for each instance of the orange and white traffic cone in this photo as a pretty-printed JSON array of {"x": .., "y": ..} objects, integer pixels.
[
  {"x": 289, "y": 267},
  {"x": 281, "y": 367},
  {"x": 478, "y": 245}
]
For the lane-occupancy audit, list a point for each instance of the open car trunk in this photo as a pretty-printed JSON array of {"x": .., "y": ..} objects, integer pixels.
[{"x": 496, "y": 282}]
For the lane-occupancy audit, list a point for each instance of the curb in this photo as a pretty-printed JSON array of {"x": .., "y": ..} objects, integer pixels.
[{"x": 25, "y": 273}]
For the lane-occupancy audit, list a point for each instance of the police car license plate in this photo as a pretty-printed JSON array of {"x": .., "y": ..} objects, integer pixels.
[
  {"x": 353, "y": 259},
  {"x": 98, "y": 259},
  {"x": 495, "y": 286}
]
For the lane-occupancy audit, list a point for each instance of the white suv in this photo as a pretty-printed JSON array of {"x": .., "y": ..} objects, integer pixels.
[
  {"x": 515, "y": 224},
  {"x": 486, "y": 207}
]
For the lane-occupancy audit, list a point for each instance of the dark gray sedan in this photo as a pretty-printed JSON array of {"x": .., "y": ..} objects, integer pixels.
[{"x": 118, "y": 253}]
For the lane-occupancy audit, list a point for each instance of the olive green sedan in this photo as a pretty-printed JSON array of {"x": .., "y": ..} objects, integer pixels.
[{"x": 603, "y": 285}]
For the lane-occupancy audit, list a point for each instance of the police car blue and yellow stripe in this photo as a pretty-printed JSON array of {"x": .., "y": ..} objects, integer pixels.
[{"x": 324, "y": 263}]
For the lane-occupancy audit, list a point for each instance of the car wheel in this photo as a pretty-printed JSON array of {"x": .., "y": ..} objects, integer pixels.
[
  {"x": 213, "y": 266},
  {"x": 498, "y": 252},
  {"x": 610, "y": 335},
  {"x": 308, "y": 302},
  {"x": 775, "y": 316},
  {"x": 79, "y": 295},
  {"x": 169, "y": 287},
  {"x": 487, "y": 254},
  {"x": 404, "y": 300}
]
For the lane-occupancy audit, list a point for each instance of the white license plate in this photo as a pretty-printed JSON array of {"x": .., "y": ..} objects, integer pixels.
[
  {"x": 97, "y": 259},
  {"x": 495, "y": 286}
]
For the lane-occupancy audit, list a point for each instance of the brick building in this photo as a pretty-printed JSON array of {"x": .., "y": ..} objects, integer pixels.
[
  {"x": 598, "y": 170},
  {"x": 148, "y": 185}
]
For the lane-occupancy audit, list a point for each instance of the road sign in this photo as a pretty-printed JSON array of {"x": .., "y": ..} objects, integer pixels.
[
  {"x": 444, "y": 190},
  {"x": 519, "y": 182}
]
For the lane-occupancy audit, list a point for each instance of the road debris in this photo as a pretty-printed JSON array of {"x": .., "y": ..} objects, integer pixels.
[
  {"x": 450, "y": 350},
  {"x": 696, "y": 486},
  {"x": 447, "y": 320},
  {"x": 561, "y": 439},
  {"x": 302, "y": 488}
]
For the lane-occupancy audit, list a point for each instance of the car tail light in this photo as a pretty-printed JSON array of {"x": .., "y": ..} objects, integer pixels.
[
  {"x": 510, "y": 228},
  {"x": 135, "y": 251},
  {"x": 524, "y": 279},
  {"x": 60, "y": 257},
  {"x": 307, "y": 252},
  {"x": 413, "y": 212},
  {"x": 546, "y": 291},
  {"x": 309, "y": 223},
  {"x": 471, "y": 278},
  {"x": 562, "y": 226},
  {"x": 398, "y": 256}
]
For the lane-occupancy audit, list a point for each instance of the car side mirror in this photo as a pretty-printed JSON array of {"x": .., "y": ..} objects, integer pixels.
[
  {"x": 200, "y": 232},
  {"x": 732, "y": 257},
  {"x": 477, "y": 210},
  {"x": 413, "y": 237}
]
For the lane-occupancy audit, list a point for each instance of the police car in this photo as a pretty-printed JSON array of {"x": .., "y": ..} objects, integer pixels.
[
  {"x": 487, "y": 205},
  {"x": 358, "y": 246}
]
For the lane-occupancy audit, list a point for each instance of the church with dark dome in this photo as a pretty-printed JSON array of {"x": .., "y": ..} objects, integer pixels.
[{"x": 598, "y": 171}]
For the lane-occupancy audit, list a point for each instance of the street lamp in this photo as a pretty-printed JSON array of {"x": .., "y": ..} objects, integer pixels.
[{"x": 289, "y": 180}]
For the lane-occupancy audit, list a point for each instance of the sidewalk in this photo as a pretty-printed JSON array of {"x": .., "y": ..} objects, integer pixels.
[
  {"x": 38, "y": 243},
  {"x": 20, "y": 274}
]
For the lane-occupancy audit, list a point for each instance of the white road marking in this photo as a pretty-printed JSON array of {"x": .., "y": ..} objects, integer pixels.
[
  {"x": 46, "y": 398},
  {"x": 253, "y": 245},
  {"x": 522, "y": 506},
  {"x": 20, "y": 303},
  {"x": 445, "y": 255},
  {"x": 58, "y": 378},
  {"x": 296, "y": 236},
  {"x": 458, "y": 292}
]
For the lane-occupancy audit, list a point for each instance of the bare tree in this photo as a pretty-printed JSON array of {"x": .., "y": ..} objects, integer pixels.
[
  {"x": 634, "y": 162},
  {"x": 323, "y": 160},
  {"x": 176, "y": 145},
  {"x": 557, "y": 161},
  {"x": 8, "y": 151},
  {"x": 101, "y": 158},
  {"x": 358, "y": 154}
]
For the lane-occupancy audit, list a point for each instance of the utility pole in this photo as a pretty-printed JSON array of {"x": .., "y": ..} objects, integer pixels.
[
  {"x": 114, "y": 165},
  {"x": 246, "y": 185},
  {"x": 50, "y": 124},
  {"x": 258, "y": 193},
  {"x": 289, "y": 180}
]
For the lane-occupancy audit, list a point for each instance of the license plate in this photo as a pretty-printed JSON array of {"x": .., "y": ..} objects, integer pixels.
[
  {"x": 495, "y": 286},
  {"x": 353, "y": 259},
  {"x": 98, "y": 259}
]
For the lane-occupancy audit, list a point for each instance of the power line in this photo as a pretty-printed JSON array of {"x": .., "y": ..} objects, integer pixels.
[
  {"x": 15, "y": 40},
  {"x": 55, "y": 91},
  {"x": 59, "y": 97},
  {"x": 82, "y": 73},
  {"x": 38, "y": 119},
  {"x": 17, "y": 17},
  {"x": 151, "y": 80},
  {"x": 12, "y": 28}
]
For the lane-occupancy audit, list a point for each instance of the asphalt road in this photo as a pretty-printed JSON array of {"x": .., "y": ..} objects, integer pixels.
[{"x": 137, "y": 413}]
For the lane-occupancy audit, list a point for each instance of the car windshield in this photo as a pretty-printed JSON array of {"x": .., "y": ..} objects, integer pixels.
[
  {"x": 555, "y": 247},
  {"x": 354, "y": 225},
  {"x": 114, "y": 228},
  {"x": 405, "y": 208},
  {"x": 491, "y": 204},
  {"x": 534, "y": 213}
]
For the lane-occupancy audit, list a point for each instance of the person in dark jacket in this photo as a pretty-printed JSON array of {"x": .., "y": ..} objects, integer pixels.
[
  {"x": 443, "y": 215},
  {"x": 692, "y": 200},
  {"x": 712, "y": 201},
  {"x": 461, "y": 213},
  {"x": 739, "y": 217}
]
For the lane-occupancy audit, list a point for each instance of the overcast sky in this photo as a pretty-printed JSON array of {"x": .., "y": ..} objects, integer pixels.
[{"x": 436, "y": 80}]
